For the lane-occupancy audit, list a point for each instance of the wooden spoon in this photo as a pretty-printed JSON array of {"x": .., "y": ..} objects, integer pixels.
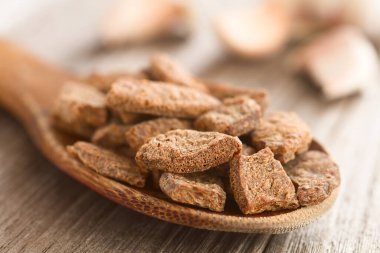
[{"x": 28, "y": 88}]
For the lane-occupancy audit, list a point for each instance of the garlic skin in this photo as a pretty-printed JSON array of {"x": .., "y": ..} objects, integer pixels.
[
  {"x": 311, "y": 15},
  {"x": 255, "y": 32},
  {"x": 135, "y": 21},
  {"x": 341, "y": 61},
  {"x": 365, "y": 15}
]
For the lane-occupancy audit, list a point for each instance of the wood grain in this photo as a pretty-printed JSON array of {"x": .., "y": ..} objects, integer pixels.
[{"x": 43, "y": 210}]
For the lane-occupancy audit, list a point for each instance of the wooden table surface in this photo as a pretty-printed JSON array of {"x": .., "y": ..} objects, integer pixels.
[{"x": 43, "y": 210}]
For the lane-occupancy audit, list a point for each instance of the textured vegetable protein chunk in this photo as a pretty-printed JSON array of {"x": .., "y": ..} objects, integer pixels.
[
  {"x": 160, "y": 99},
  {"x": 109, "y": 163},
  {"x": 223, "y": 91},
  {"x": 200, "y": 189},
  {"x": 315, "y": 176},
  {"x": 163, "y": 68},
  {"x": 112, "y": 135},
  {"x": 103, "y": 82},
  {"x": 138, "y": 134},
  {"x": 80, "y": 108},
  {"x": 259, "y": 183},
  {"x": 236, "y": 117},
  {"x": 284, "y": 133},
  {"x": 185, "y": 151},
  {"x": 223, "y": 170}
]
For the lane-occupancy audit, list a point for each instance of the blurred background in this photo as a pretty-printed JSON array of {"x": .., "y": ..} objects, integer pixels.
[{"x": 316, "y": 57}]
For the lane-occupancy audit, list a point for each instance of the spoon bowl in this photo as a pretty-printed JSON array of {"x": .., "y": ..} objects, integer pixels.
[{"x": 28, "y": 88}]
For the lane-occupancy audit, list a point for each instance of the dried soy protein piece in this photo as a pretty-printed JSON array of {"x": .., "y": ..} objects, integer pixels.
[
  {"x": 138, "y": 134},
  {"x": 223, "y": 91},
  {"x": 223, "y": 170},
  {"x": 341, "y": 62},
  {"x": 109, "y": 163},
  {"x": 259, "y": 183},
  {"x": 129, "y": 118},
  {"x": 238, "y": 116},
  {"x": 185, "y": 151},
  {"x": 103, "y": 82},
  {"x": 315, "y": 175},
  {"x": 80, "y": 108},
  {"x": 199, "y": 189},
  {"x": 112, "y": 135},
  {"x": 162, "y": 99},
  {"x": 125, "y": 151},
  {"x": 165, "y": 69},
  {"x": 284, "y": 133}
]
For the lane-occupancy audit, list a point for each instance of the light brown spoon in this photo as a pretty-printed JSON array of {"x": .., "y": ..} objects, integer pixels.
[{"x": 28, "y": 88}]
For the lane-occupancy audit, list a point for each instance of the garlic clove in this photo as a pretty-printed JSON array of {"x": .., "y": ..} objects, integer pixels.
[
  {"x": 341, "y": 61},
  {"x": 131, "y": 21},
  {"x": 256, "y": 32}
]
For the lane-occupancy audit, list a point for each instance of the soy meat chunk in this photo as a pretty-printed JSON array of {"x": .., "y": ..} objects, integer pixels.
[
  {"x": 259, "y": 183},
  {"x": 138, "y": 134},
  {"x": 315, "y": 175},
  {"x": 238, "y": 116},
  {"x": 112, "y": 135},
  {"x": 185, "y": 151},
  {"x": 129, "y": 118},
  {"x": 284, "y": 133},
  {"x": 341, "y": 62},
  {"x": 223, "y": 170},
  {"x": 162, "y": 99},
  {"x": 199, "y": 189},
  {"x": 223, "y": 91},
  {"x": 80, "y": 108},
  {"x": 163, "y": 68},
  {"x": 103, "y": 82},
  {"x": 108, "y": 163}
]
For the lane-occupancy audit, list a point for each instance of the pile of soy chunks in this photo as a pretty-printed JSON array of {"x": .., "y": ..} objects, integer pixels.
[{"x": 199, "y": 142}]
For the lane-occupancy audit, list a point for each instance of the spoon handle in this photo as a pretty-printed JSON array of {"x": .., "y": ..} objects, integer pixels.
[{"x": 26, "y": 83}]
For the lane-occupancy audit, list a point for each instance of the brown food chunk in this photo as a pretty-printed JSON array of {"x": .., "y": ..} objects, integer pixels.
[
  {"x": 314, "y": 175},
  {"x": 103, "y": 82},
  {"x": 236, "y": 117},
  {"x": 108, "y": 163},
  {"x": 141, "y": 96},
  {"x": 163, "y": 68},
  {"x": 129, "y": 118},
  {"x": 138, "y": 134},
  {"x": 284, "y": 133},
  {"x": 112, "y": 135},
  {"x": 259, "y": 183},
  {"x": 185, "y": 151},
  {"x": 223, "y": 91},
  {"x": 80, "y": 108},
  {"x": 199, "y": 189},
  {"x": 125, "y": 151},
  {"x": 223, "y": 170}
]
